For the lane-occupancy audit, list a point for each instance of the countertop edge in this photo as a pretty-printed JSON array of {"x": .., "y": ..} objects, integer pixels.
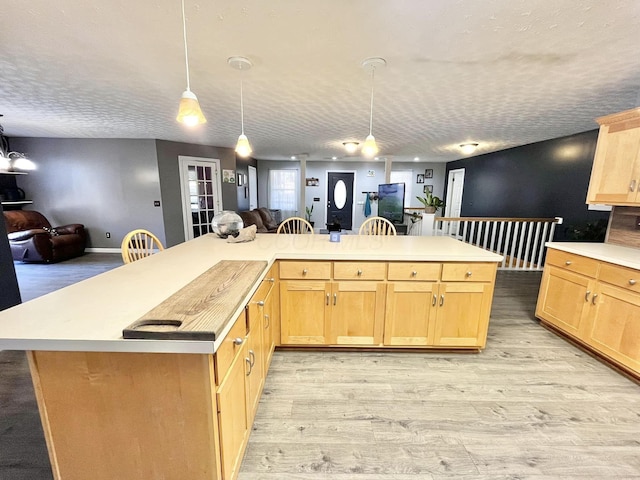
[{"x": 617, "y": 254}]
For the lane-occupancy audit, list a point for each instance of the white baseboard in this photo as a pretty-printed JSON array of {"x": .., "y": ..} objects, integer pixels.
[{"x": 102, "y": 250}]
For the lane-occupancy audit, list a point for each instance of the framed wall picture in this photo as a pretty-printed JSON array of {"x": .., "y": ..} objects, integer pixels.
[
  {"x": 420, "y": 178},
  {"x": 240, "y": 180},
  {"x": 312, "y": 182},
  {"x": 427, "y": 189},
  {"x": 428, "y": 173},
  {"x": 228, "y": 176}
]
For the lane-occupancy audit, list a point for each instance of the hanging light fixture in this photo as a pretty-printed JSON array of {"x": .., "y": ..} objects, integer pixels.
[
  {"x": 370, "y": 148},
  {"x": 351, "y": 147},
  {"x": 468, "y": 148},
  {"x": 243, "y": 148},
  {"x": 189, "y": 111},
  {"x": 12, "y": 161}
]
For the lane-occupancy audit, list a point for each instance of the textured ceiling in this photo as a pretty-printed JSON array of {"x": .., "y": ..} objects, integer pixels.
[{"x": 500, "y": 73}]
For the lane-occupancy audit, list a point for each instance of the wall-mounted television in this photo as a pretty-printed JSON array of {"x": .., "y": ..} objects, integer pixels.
[{"x": 391, "y": 202}]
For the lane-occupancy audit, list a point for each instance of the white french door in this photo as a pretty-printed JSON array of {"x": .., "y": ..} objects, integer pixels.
[{"x": 201, "y": 190}]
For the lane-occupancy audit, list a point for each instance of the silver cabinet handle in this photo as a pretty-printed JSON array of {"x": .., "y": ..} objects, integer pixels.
[
  {"x": 568, "y": 262},
  {"x": 246, "y": 359},
  {"x": 632, "y": 185},
  {"x": 414, "y": 274},
  {"x": 469, "y": 273},
  {"x": 632, "y": 282},
  {"x": 441, "y": 300},
  {"x": 327, "y": 299},
  {"x": 253, "y": 357},
  {"x": 238, "y": 341},
  {"x": 266, "y": 317},
  {"x": 435, "y": 299},
  {"x": 335, "y": 298},
  {"x": 586, "y": 295},
  {"x": 593, "y": 299},
  {"x": 271, "y": 280},
  {"x": 260, "y": 303},
  {"x": 359, "y": 272}
]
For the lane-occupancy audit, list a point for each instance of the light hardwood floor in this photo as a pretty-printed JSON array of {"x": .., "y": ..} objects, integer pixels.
[{"x": 531, "y": 406}]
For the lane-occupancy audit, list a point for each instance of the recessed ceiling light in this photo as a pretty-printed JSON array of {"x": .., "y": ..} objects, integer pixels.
[
  {"x": 376, "y": 158},
  {"x": 293, "y": 157},
  {"x": 334, "y": 158},
  {"x": 468, "y": 148},
  {"x": 351, "y": 147},
  {"x": 416, "y": 159}
]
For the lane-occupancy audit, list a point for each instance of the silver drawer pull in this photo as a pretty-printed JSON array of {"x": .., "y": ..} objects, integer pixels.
[
  {"x": 238, "y": 341},
  {"x": 335, "y": 298},
  {"x": 253, "y": 357},
  {"x": 305, "y": 271},
  {"x": 586, "y": 295},
  {"x": 414, "y": 274},
  {"x": 469, "y": 273},
  {"x": 250, "y": 365},
  {"x": 327, "y": 299},
  {"x": 632, "y": 282},
  {"x": 593, "y": 299},
  {"x": 632, "y": 186},
  {"x": 266, "y": 317},
  {"x": 260, "y": 303},
  {"x": 441, "y": 300},
  {"x": 435, "y": 299},
  {"x": 271, "y": 280},
  {"x": 568, "y": 262},
  {"x": 359, "y": 272}
]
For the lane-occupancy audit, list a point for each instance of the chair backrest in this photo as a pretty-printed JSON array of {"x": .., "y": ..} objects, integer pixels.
[
  {"x": 138, "y": 244},
  {"x": 295, "y": 225},
  {"x": 377, "y": 226}
]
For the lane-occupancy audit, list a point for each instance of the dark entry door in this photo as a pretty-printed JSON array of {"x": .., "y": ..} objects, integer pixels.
[{"x": 340, "y": 200}]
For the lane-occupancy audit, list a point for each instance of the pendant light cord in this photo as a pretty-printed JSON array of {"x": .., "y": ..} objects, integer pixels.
[
  {"x": 186, "y": 54},
  {"x": 241, "y": 104},
  {"x": 373, "y": 71}
]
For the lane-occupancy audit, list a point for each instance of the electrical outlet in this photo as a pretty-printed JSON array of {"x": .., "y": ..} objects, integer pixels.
[
  {"x": 156, "y": 203},
  {"x": 108, "y": 234}
]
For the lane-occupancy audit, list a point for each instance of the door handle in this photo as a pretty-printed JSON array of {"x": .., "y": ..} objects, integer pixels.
[
  {"x": 246, "y": 359},
  {"x": 335, "y": 298},
  {"x": 266, "y": 317},
  {"x": 441, "y": 300},
  {"x": 593, "y": 299},
  {"x": 586, "y": 295},
  {"x": 435, "y": 300},
  {"x": 632, "y": 185},
  {"x": 253, "y": 357}
]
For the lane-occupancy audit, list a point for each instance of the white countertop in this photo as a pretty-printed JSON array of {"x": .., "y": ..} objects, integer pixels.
[
  {"x": 90, "y": 315},
  {"x": 606, "y": 252}
]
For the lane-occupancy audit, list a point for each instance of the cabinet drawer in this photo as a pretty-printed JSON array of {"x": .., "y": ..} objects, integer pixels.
[
  {"x": 468, "y": 272},
  {"x": 415, "y": 271},
  {"x": 305, "y": 270},
  {"x": 228, "y": 349},
  {"x": 574, "y": 263},
  {"x": 359, "y": 270},
  {"x": 620, "y": 276}
]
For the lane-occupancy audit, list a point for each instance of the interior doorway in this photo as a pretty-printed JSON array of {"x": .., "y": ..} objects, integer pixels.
[
  {"x": 455, "y": 186},
  {"x": 340, "y": 199},
  {"x": 201, "y": 191},
  {"x": 253, "y": 187}
]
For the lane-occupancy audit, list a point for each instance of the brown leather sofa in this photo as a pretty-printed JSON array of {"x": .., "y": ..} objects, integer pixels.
[
  {"x": 261, "y": 218},
  {"x": 33, "y": 239}
]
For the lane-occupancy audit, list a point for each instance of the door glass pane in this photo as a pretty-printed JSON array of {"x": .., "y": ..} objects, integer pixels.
[{"x": 340, "y": 194}]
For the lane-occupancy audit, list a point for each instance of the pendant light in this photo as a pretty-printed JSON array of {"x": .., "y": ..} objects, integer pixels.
[
  {"x": 369, "y": 148},
  {"x": 189, "y": 111},
  {"x": 243, "y": 148}
]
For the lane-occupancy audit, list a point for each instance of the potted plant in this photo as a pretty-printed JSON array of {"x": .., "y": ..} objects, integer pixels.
[
  {"x": 308, "y": 212},
  {"x": 431, "y": 203}
]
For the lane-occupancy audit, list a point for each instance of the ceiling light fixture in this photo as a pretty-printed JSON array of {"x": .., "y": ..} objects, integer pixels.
[
  {"x": 351, "y": 147},
  {"x": 468, "y": 148},
  {"x": 369, "y": 148},
  {"x": 243, "y": 148},
  {"x": 189, "y": 111},
  {"x": 12, "y": 161}
]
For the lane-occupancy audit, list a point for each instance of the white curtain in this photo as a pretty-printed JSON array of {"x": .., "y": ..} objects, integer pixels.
[{"x": 284, "y": 192}]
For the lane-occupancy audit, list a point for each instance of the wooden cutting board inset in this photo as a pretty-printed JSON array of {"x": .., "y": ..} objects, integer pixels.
[{"x": 201, "y": 309}]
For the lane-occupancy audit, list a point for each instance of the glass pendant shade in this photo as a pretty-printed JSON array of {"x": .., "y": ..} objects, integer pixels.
[
  {"x": 22, "y": 163},
  {"x": 468, "y": 148},
  {"x": 4, "y": 164},
  {"x": 369, "y": 148},
  {"x": 351, "y": 147},
  {"x": 243, "y": 148},
  {"x": 189, "y": 111}
]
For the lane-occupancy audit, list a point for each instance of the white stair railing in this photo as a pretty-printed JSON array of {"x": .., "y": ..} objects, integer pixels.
[{"x": 519, "y": 240}]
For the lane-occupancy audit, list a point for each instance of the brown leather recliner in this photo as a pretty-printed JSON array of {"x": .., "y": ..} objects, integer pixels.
[
  {"x": 261, "y": 218},
  {"x": 32, "y": 239}
]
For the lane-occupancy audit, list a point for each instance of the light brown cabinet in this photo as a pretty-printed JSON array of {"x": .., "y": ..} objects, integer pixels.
[
  {"x": 615, "y": 176},
  {"x": 396, "y": 304},
  {"x": 595, "y": 303}
]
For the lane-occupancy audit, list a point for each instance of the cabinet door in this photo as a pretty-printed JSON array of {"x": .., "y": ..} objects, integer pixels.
[
  {"x": 410, "y": 312},
  {"x": 614, "y": 328},
  {"x": 564, "y": 299},
  {"x": 254, "y": 363},
  {"x": 463, "y": 311},
  {"x": 232, "y": 416},
  {"x": 357, "y": 313},
  {"x": 616, "y": 167},
  {"x": 268, "y": 318},
  {"x": 304, "y": 312}
]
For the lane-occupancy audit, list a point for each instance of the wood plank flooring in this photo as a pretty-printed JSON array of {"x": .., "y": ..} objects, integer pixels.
[{"x": 531, "y": 406}]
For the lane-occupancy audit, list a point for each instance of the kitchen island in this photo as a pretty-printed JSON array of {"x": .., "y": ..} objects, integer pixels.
[{"x": 182, "y": 408}]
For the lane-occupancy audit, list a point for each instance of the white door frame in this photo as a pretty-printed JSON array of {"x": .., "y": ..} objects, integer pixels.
[
  {"x": 253, "y": 187},
  {"x": 450, "y": 186},
  {"x": 183, "y": 164}
]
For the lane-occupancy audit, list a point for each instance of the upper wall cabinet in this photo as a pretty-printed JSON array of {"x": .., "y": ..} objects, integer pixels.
[{"x": 615, "y": 177}]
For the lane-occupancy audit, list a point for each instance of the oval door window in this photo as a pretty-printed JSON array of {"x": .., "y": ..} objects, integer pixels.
[{"x": 340, "y": 194}]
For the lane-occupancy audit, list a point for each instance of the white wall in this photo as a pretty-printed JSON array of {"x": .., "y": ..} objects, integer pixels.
[{"x": 363, "y": 183}]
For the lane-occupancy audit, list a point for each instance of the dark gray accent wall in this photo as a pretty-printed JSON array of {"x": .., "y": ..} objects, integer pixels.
[
  {"x": 9, "y": 291},
  {"x": 169, "y": 174},
  {"x": 109, "y": 185},
  {"x": 545, "y": 179}
]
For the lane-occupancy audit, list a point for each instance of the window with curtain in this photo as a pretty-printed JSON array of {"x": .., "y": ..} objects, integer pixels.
[
  {"x": 406, "y": 177},
  {"x": 283, "y": 192}
]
